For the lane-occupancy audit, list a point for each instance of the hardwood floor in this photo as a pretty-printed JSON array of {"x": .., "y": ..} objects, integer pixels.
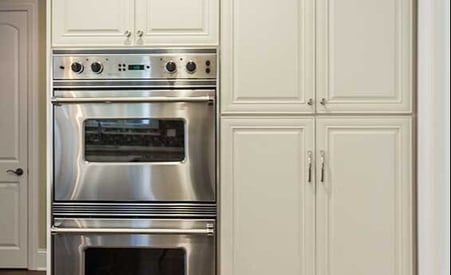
[{"x": 20, "y": 272}]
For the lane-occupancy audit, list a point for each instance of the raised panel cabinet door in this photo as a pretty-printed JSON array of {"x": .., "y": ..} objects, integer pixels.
[
  {"x": 365, "y": 56},
  {"x": 267, "y": 56},
  {"x": 267, "y": 196},
  {"x": 177, "y": 22},
  {"x": 364, "y": 196},
  {"x": 92, "y": 23}
]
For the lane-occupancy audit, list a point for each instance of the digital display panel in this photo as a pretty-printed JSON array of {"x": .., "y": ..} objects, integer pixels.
[{"x": 135, "y": 67}]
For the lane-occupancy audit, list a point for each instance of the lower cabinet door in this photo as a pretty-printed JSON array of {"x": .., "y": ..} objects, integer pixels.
[
  {"x": 267, "y": 196},
  {"x": 364, "y": 196}
]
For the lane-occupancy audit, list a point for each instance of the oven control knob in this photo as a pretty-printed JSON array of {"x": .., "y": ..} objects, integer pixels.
[
  {"x": 191, "y": 67},
  {"x": 77, "y": 67},
  {"x": 171, "y": 67},
  {"x": 97, "y": 67}
]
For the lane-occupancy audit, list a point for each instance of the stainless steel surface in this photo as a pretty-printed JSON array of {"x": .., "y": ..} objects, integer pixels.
[
  {"x": 76, "y": 179},
  {"x": 189, "y": 94},
  {"x": 134, "y": 209},
  {"x": 134, "y": 83},
  {"x": 132, "y": 99},
  {"x": 323, "y": 154},
  {"x": 73, "y": 237},
  {"x": 146, "y": 65},
  {"x": 310, "y": 164}
]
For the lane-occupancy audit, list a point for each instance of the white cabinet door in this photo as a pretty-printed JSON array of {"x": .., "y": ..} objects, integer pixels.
[
  {"x": 177, "y": 22},
  {"x": 267, "y": 56},
  {"x": 364, "y": 201},
  {"x": 364, "y": 56},
  {"x": 267, "y": 198},
  {"x": 92, "y": 23}
]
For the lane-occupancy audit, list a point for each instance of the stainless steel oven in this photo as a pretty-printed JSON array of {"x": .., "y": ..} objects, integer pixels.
[
  {"x": 136, "y": 247},
  {"x": 134, "y": 162},
  {"x": 141, "y": 129}
]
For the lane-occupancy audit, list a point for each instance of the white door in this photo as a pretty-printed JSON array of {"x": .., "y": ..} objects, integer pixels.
[
  {"x": 267, "y": 56},
  {"x": 13, "y": 137},
  {"x": 364, "y": 196},
  {"x": 177, "y": 22},
  {"x": 92, "y": 23},
  {"x": 365, "y": 56},
  {"x": 267, "y": 196}
]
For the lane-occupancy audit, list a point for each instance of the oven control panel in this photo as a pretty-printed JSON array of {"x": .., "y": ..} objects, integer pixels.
[{"x": 135, "y": 64}]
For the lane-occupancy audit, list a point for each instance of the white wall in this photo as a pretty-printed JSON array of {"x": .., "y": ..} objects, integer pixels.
[{"x": 433, "y": 137}]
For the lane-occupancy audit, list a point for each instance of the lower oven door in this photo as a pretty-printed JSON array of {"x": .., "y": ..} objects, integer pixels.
[
  {"x": 135, "y": 247},
  {"x": 153, "y": 150}
]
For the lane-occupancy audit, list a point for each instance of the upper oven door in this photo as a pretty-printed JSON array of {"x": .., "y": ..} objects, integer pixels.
[{"x": 121, "y": 151}]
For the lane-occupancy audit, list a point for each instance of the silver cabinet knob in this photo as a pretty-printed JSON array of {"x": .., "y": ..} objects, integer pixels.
[
  {"x": 140, "y": 33},
  {"x": 310, "y": 102},
  {"x": 323, "y": 101},
  {"x": 128, "y": 33}
]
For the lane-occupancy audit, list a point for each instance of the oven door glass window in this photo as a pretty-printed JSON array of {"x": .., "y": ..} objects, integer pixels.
[
  {"x": 134, "y": 261},
  {"x": 134, "y": 140}
]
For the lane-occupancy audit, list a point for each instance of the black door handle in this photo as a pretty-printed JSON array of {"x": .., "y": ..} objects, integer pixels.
[{"x": 18, "y": 171}]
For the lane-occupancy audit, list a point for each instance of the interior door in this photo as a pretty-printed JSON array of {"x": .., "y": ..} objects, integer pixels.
[{"x": 13, "y": 139}]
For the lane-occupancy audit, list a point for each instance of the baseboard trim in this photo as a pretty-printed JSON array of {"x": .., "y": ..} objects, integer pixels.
[{"x": 39, "y": 262}]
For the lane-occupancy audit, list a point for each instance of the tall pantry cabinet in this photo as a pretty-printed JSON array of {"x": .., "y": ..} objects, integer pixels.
[{"x": 317, "y": 137}]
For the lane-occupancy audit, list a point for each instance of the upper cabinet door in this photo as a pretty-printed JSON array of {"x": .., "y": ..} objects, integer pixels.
[
  {"x": 267, "y": 56},
  {"x": 364, "y": 56},
  {"x": 364, "y": 196},
  {"x": 92, "y": 23},
  {"x": 177, "y": 22}
]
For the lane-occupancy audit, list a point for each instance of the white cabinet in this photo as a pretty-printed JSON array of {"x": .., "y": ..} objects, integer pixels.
[
  {"x": 354, "y": 215},
  {"x": 364, "y": 56},
  {"x": 134, "y": 22},
  {"x": 87, "y": 22},
  {"x": 364, "y": 200},
  {"x": 348, "y": 56},
  {"x": 267, "y": 56},
  {"x": 191, "y": 22},
  {"x": 267, "y": 201}
]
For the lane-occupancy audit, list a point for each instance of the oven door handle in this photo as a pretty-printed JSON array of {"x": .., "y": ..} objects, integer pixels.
[
  {"x": 132, "y": 99},
  {"x": 209, "y": 230}
]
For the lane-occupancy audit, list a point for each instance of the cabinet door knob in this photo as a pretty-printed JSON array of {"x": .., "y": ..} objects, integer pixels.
[
  {"x": 323, "y": 101},
  {"x": 128, "y": 33},
  {"x": 140, "y": 33},
  {"x": 310, "y": 102}
]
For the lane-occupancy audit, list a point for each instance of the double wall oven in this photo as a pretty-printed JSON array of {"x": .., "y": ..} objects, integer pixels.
[{"x": 134, "y": 162}]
